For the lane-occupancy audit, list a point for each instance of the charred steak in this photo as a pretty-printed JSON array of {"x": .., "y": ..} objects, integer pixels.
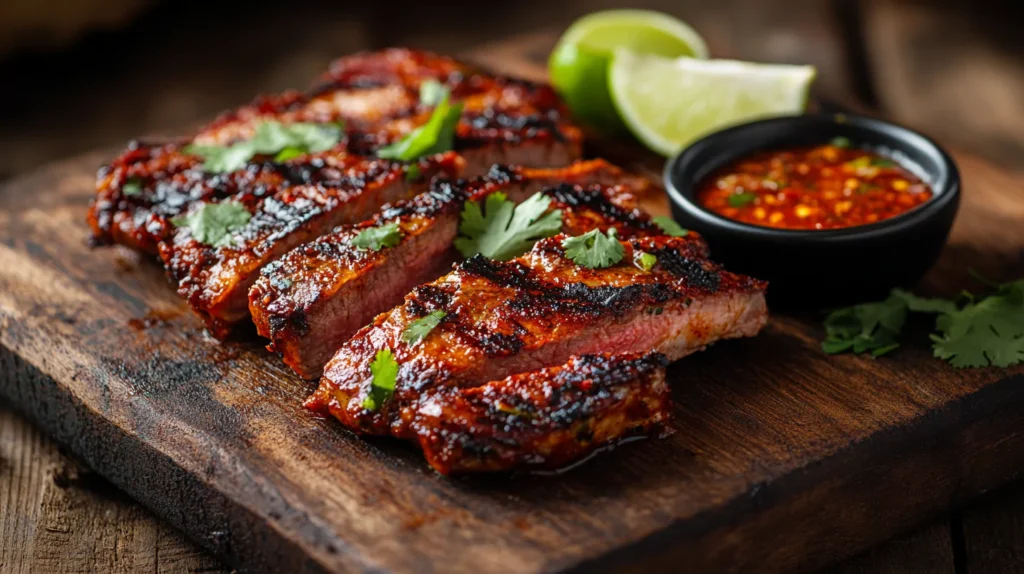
[
  {"x": 309, "y": 302},
  {"x": 546, "y": 418},
  {"x": 503, "y": 318}
]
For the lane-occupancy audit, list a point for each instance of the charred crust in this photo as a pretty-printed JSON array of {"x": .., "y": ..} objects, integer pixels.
[
  {"x": 596, "y": 199},
  {"x": 699, "y": 273}
]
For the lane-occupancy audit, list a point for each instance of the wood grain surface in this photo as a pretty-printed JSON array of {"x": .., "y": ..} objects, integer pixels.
[
  {"x": 782, "y": 457},
  {"x": 98, "y": 525}
]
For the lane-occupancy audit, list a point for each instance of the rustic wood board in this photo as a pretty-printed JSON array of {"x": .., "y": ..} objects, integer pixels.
[{"x": 782, "y": 457}]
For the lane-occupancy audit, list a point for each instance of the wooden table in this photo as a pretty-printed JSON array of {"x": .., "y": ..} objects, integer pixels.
[{"x": 940, "y": 67}]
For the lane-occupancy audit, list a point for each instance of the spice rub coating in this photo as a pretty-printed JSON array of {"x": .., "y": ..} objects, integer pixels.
[
  {"x": 313, "y": 299},
  {"x": 547, "y": 418},
  {"x": 534, "y": 312},
  {"x": 374, "y": 96}
]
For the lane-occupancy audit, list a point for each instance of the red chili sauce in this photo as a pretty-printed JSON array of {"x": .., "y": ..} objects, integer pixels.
[{"x": 826, "y": 187}]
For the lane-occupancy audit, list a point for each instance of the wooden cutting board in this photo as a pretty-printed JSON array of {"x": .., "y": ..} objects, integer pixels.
[{"x": 782, "y": 457}]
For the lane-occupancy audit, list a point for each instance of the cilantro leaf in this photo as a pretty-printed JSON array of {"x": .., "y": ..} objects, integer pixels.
[
  {"x": 985, "y": 332},
  {"x": 213, "y": 223},
  {"x": 435, "y": 136},
  {"x": 284, "y": 141},
  {"x": 377, "y": 238},
  {"x": 741, "y": 199},
  {"x": 420, "y": 328},
  {"x": 669, "y": 226},
  {"x": 502, "y": 230},
  {"x": 385, "y": 373},
  {"x": 841, "y": 142},
  {"x": 432, "y": 92},
  {"x": 866, "y": 327},
  {"x": 644, "y": 260},
  {"x": 594, "y": 249},
  {"x": 132, "y": 187}
]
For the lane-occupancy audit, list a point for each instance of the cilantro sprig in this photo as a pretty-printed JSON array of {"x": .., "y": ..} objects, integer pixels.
[
  {"x": 594, "y": 249},
  {"x": 283, "y": 141},
  {"x": 420, "y": 328},
  {"x": 213, "y": 223},
  {"x": 669, "y": 226},
  {"x": 377, "y": 238},
  {"x": 435, "y": 136},
  {"x": 502, "y": 230},
  {"x": 385, "y": 373},
  {"x": 975, "y": 332}
]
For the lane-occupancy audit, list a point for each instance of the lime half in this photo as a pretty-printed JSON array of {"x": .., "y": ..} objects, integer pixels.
[
  {"x": 579, "y": 62},
  {"x": 668, "y": 103}
]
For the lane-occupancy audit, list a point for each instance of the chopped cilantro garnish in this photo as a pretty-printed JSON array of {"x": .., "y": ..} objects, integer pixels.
[
  {"x": 283, "y": 141},
  {"x": 132, "y": 187},
  {"x": 435, "y": 136},
  {"x": 669, "y": 226},
  {"x": 385, "y": 373},
  {"x": 980, "y": 332},
  {"x": 413, "y": 172},
  {"x": 882, "y": 162},
  {"x": 644, "y": 260},
  {"x": 594, "y": 249},
  {"x": 432, "y": 92},
  {"x": 502, "y": 230},
  {"x": 420, "y": 328},
  {"x": 212, "y": 223},
  {"x": 741, "y": 199},
  {"x": 841, "y": 142},
  {"x": 377, "y": 238}
]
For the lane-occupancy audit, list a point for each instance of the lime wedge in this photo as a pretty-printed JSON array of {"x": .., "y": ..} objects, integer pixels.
[
  {"x": 579, "y": 62},
  {"x": 668, "y": 103}
]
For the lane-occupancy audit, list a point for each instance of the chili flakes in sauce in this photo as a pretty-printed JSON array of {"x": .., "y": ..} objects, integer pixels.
[{"x": 825, "y": 187}]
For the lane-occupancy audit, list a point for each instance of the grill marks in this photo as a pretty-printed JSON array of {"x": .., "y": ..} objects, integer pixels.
[
  {"x": 312, "y": 300},
  {"x": 535, "y": 312},
  {"x": 376, "y": 96},
  {"x": 546, "y": 418}
]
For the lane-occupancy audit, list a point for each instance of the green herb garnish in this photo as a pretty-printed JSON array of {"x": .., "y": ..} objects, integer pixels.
[
  {"x": 420, "y": 328},
  {"x": 385, "y": 373},
  {"x": 741, "y": 199},
  {"x": 283, "y": 141},
  {"x": 594, "y": 249},
  {"x": 644, "y": 260},
  {"x": 669, "y": 226},
  {"x": 435, "y": 136},
  {"x": 502, "y": 230},
  {"x": 377, "y": 238},
  {"x": 432, "y": 92},
  {"x": 882, "y": 162},
  {"x": 976, "y": 333},
  {"x": 841, "y": 142},
  {"x": 413, "y": 172},
  {"x": 213, "y": 223},
  {"x": 132, "y": 187}
]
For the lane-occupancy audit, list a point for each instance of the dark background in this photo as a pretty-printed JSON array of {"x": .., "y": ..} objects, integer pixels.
[{"x": 76, "y": 76}]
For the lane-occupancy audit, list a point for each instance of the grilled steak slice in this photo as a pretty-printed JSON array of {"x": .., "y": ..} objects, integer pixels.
[
  {"x": 376, "y": 97},
  {"x": 316, "y": 297},
  {"x": 547, "y": 418},
  {"x": 534, "y": 312},
  {"x": 286, "y": 210}
]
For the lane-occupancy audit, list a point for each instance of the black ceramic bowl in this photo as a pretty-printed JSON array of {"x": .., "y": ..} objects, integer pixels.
[{"x": 810, "y": 268}]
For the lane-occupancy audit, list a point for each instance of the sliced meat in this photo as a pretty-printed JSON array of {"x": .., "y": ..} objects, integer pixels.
[
  {"x": 502, "y": 318},
  {"x": 543, "y": 419},
  {"x": 315, "y": 298},
  {"x": 215, "y": 279},
  {"x": 376, "y": 97}
]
